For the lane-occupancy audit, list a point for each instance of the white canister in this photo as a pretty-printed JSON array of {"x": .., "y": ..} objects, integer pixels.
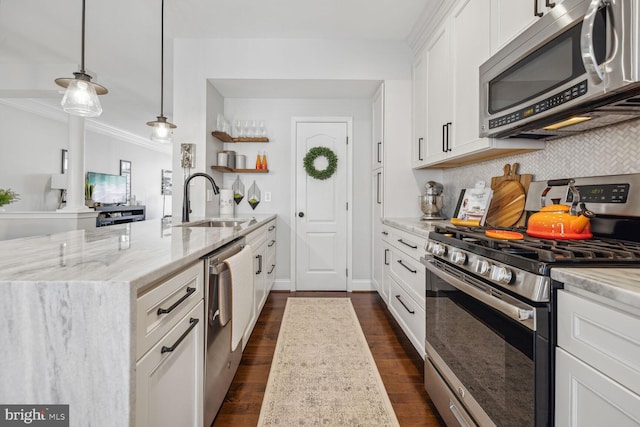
[
  {"x": 222, "y": 158},
  {"x": 226, "y": 202},
  {"x": 241, "y": 161}
]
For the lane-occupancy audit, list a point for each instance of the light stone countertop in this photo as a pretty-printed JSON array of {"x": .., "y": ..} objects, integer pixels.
[
  {"x": 138, "y": 253},
  {"x": 68, "y": 305},
  {"x": 620, "y": 286},
  {"x": 415, "y": 225}
]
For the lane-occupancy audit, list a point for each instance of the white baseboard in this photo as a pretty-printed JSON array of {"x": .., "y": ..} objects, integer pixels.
[
  {"x": 362, "y": 285},
  {"x": 282, "y": 285}
]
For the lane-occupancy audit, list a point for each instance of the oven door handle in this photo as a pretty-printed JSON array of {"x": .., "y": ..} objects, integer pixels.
[{"x": 525, "y": 316}]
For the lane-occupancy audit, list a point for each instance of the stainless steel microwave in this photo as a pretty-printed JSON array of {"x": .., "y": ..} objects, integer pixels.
[{"x": 575, "y": 69}]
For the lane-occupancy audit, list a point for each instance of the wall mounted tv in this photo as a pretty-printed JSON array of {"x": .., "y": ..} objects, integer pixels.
[{"x": 108, "y": 189}]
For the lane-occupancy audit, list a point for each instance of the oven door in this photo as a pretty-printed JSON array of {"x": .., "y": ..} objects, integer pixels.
[{"x": 483, "y": 344}]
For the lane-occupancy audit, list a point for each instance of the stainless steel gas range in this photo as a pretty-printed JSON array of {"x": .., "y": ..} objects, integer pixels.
[{"x": 490, "y": 305}]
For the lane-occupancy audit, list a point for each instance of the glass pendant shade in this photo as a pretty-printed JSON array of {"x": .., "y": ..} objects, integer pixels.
[
  {"x": 162, "y": 130},
  {"x": 81, "y": 99}
]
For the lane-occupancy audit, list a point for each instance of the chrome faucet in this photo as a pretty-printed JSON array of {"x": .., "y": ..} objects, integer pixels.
[{"x": 186, "y": 204}]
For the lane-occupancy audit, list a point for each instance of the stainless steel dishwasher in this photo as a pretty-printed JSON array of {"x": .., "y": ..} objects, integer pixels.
[{"x": 220, "y": 363}]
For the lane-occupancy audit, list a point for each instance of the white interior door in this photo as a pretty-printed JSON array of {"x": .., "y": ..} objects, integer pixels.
[{"x": 321, "y": 210}]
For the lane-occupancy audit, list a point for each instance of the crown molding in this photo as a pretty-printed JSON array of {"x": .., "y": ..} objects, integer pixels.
[
  {"x": 42, "y": 109},
  {"x": 431, "y": 17}
]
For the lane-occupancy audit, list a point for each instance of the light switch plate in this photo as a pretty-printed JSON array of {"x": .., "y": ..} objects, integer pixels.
[{"x": 267, "y": 196}]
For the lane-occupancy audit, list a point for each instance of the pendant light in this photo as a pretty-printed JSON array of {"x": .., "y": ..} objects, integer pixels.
[
  {"x": 81, "y": 96},
  {"x": 162, "y": 129}
]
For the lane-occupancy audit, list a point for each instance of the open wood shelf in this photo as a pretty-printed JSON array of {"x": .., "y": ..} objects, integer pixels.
[
  {"x": 229, "y": 170},
  {"x": 225, "y": 137}
]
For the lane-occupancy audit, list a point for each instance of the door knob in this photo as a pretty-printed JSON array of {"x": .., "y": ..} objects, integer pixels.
[{"x": 300, "y": 214}]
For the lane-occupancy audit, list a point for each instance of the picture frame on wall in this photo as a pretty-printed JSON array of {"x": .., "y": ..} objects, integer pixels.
[
  {"x": 167, "y": 183},
  {"x": 65, "y": 161},
  {"x": 125, "y": 170}
]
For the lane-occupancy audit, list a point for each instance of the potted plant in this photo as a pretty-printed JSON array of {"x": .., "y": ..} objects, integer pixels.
[{"x": 8, "y": 196}]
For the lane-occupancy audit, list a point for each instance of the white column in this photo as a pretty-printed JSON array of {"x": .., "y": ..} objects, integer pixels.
[{"x": 75, "y": 184}]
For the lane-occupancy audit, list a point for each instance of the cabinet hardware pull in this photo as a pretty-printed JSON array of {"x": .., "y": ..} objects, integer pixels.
[
  {"x": 407, "y": 267},
  {"x": 378, "y": 198},
  {"x": 549, "y": 4},
  {"x": 535, "y": 9},
  {"x": 448, "y": 137},
  {"x": 166, "y": 349},
  {"x": 273, "y": 227},
  {"x": 405, "y": 243},
  {"x": 177, "y": 303},
  {"x": 272, "y": 267},
  {"x": 405, "y": 305},
  {"x": 385, "y": 233},
  {"x": 386, "y": 251},
  {"x": 444, "y": 144},
  {"x": 379, "y": 146},
  {"x": 259, "y": 258},
  {"x": 420, "y": 148},
  {"x": 273, "y": 242}
]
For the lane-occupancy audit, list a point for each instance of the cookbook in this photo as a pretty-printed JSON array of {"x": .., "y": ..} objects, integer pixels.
[{"x": 473, "y": 205}]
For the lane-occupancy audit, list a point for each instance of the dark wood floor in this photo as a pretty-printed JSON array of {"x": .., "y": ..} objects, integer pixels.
[{"x": 400, "y": 366}]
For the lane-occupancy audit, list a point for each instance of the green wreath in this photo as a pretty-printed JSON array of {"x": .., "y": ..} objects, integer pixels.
[{"x": 311, "y": 157}]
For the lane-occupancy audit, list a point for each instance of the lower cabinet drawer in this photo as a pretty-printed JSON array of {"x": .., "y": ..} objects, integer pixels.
[
  {"x": 160, "y": 308},
  {"x": 410, "y": 273},
  {"x": 606, "y": 338},
  {"x": 409, "y": 243},
  {"x": 408, "y": 313}
]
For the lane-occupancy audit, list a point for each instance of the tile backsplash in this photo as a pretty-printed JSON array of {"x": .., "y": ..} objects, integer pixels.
[{"x": 605, "y": 151}]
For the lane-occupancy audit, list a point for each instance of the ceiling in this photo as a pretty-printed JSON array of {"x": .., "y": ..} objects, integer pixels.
[{"x": 123, "y": 42}]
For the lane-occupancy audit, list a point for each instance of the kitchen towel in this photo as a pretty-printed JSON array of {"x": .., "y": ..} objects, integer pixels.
[{"x": 241, "y": 268}]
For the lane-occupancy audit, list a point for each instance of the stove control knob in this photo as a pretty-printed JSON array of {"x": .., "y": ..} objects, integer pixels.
[
  {"x": 439, "y": 250},
  {"x": 482, "y": 267},
  {"x": 458, "y": 257},
  {"x": 501, "y": 275},
  {"x": 429, "y": 247}
]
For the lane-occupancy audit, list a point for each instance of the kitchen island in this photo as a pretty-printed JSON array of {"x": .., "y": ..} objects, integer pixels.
[{"x": 69, "y": 311}]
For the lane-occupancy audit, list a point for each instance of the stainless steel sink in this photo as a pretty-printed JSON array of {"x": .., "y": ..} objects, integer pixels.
[{"x": 220, "y": 223}]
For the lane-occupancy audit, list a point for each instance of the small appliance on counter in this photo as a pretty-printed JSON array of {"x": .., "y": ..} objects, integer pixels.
[{"x": 431, "y": 202}]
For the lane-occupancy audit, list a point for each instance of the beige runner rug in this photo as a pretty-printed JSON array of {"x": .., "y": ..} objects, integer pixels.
[{"x": 322, "y": 371}]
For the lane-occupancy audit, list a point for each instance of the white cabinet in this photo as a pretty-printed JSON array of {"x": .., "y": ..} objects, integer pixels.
[
  {"x": 270, "y": 254},
  {"x": 377, "y": 150},
  {"x": 438, "y": 93},
  {"x": 453, "y": 55},
  {"x": 512, "y": 17},
  {"x": 377, "y": 216},
  {"x": 263, "y": 245},
  {"x": 170, "y": 342},
  {"x": 404, "y": 279},
  {"x": 419, "y": 102},
  {"x": 597, "y": 364}
]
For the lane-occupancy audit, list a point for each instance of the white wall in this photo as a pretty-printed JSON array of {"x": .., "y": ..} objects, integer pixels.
[{"x": 30, "y": 152}]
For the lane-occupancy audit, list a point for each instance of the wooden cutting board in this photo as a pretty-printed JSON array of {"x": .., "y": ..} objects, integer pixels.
[
  {"x": 507, "y": 204},
  {"x": 510, "y": 173}
]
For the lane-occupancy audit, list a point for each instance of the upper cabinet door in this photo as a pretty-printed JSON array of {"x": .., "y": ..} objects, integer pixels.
[
  {"x": 470, "y": 44},
  {"x": 377, "y": 150},
  {"x": 511, "y": 17},
  {"x": 419, "y": 100},
  {"x": 439, "y": 105}
]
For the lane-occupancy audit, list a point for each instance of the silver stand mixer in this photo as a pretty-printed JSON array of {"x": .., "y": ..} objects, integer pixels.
[{"x": 431, "y": 202}]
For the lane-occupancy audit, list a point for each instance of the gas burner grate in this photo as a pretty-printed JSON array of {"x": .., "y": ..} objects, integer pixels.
[{"x": 547, "y": 250}]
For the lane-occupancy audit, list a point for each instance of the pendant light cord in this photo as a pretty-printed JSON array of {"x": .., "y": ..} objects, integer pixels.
[
  {"x": 82, "y": 43},
  {"x": 161, "y": 60}
]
